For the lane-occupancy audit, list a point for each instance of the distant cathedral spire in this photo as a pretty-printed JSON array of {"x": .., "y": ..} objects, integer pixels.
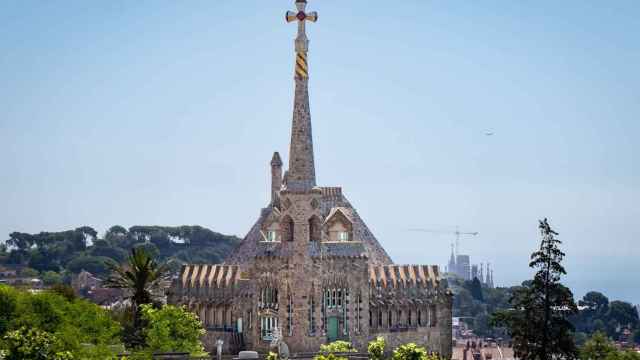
[{"x": 301, "y": 174}]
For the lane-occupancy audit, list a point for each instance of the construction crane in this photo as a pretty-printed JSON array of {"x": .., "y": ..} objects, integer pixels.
[{"x": 457, "y": 233}]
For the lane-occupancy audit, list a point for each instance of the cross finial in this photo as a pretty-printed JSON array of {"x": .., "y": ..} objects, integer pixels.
[{"x": 302, "y": 43}]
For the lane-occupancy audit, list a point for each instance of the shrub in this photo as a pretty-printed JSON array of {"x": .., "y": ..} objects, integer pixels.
[
  {"x": 328, "y": 351},
  {"x": 410, "y": 351},
  {"x": 34, "y": 344},
  {"x": 172, "y": 328},
  {"x": 376, "y": 348},
  {"x": 337, "y": 347},
  {"x": 272, "y": 356}
]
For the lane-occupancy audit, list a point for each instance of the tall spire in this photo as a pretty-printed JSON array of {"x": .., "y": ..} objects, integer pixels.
[{"x": 301, "y": 173}]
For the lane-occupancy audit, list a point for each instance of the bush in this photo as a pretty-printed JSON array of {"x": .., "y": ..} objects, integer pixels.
[
  {"x": 272, "y": 356},
  {"x": 411, "y": 351},
  {"x": 83, "y": 329},
  {"x": 337, "y": 347},
  {"x": 328, "y": 351},
  {"x": 172, "y": 329},
  {"x": 34, "y": 344},
  {"x": 376, "y": 348}
]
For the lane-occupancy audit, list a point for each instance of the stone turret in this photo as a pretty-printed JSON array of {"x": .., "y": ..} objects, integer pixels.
[{"x": 276, "y": 177}]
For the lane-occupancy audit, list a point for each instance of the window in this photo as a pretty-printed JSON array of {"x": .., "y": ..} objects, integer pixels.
[
  {"x": 370, "y": 318},
  {"x": 312, "y": 316},
  {"x": 250, "y": 319},
  {"x": 389, "y": 319},
  {"x": 419, "y": 318},
  {"x": 379, "y": 318},
  {"x": 290, "y": 316},
  {"x": 409, "y": 321},
  {"x": 268, "y": 324},
  {"x": 399, "y": 318},
  {"x": 343, "y": 236},
  {"x": 272, "y": 236}
]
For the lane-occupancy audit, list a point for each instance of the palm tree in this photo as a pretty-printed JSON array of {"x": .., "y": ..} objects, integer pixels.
[{"x": 139, "y": 276}]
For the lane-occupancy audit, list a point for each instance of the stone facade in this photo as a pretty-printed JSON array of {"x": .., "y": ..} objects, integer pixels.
[{"x": 312, "y": 268}]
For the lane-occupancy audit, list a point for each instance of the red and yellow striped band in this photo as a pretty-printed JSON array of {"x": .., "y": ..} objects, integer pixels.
[{"x": 302, "y": 70}]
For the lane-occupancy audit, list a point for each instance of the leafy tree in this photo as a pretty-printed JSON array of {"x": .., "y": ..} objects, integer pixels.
[
  {"x": 623, "y": 313},
  {"x": 65, "y": 291},
  {"x": 172, "y": 329},
  {"x": 337, "y": 347},
  {"x": 595, "y": 301},
  {"x": 539, "y": 322},
  {"x": 636, "y": 337},
  {"x": 476, "y": 289},
  {"x": 623, "y": 355},
  {"x": 34, "y": 344},
  {"x": 376, "y": 348},
  {"x": 93, "y": 264},
  {"x": 8, "y": 306},
  {"x": 51, "y": 278},
  {"x": 29, "y": 273},
  {"x": 411, "y": 351},
  {"x": 597, "y": 347},
  {"x": 141, "y": 275}
]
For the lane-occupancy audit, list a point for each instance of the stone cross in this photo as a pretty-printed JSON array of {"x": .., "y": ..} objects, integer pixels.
[
  {"x": 301, "y": 16},
  {"x": 301, "y": 42}
]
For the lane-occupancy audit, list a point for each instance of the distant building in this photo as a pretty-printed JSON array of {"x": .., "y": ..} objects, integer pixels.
[{"x": 463, "y": 266}]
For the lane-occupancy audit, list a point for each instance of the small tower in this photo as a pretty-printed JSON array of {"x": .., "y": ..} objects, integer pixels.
[{"x": 276, "y": 177}]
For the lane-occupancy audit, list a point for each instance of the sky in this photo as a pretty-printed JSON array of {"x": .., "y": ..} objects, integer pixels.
[{"x": 165, "y": 112}]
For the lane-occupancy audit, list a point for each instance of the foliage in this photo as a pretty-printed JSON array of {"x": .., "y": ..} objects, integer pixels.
[
  {"x": 599, "y": 314},
  {"x": 78, "y": 326},
  {"x": 410, "y": 351},
  {"x": 337, "y": 347},
  {"x": 51, "y": 278},
  {"x": 539, "y": 322},
  {"x": 271, "y": 356},
  {"x": 328, "y": 351},
  {"x": 65, "y": 291},
  {"x": 140, "y": 276},
  {"x": 8, "y": 305},
  {"x": 597, "y": 347},
  {"x": 376, "y": 348},
  {"x": 81, "y": 248},
  {"x": 172, "y": 329},
  {"x": 623, "y": 355},
  {"x": 93, "y": 264},
  {"x": 29, "y": 273},
  {"x": 34, "y": 344}
]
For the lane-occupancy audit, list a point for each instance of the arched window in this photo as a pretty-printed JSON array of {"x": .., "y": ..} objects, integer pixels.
[
  {"x": 287, "y": 228},
  {"x": 315, "y": 228}
]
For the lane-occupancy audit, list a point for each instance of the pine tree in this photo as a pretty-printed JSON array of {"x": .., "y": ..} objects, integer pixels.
[{"x": 538, "y": 322}]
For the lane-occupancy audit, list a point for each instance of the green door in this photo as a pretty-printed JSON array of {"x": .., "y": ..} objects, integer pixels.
[{"x": 332, "y": 334}]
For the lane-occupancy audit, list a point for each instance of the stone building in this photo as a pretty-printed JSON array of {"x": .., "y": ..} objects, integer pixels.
[{"x": 310, "y": 267}]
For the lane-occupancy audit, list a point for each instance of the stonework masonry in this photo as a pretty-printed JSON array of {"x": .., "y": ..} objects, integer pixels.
[{"x": 311, "y": 268}]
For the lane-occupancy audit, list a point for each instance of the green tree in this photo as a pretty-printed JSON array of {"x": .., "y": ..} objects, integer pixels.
[
  {"x": 636, "y": 337},
  {"x": 539, "y": 322},
  {"x": 476, "y": 289},
  {"x": 93, "y": 264},
  {"x": 597, "y": 347},
  {"x": 51, "y": 278},
  {"x": 34, "y": 344},
  {"x": 376, "y": 348},
  {"x": 410, "y": 351},
  {"x": 8, "y": 307},
  {"x": 141, "y": 276},
  {"x": 172, "y": 329},
  {"x": 29, "y": 273}
]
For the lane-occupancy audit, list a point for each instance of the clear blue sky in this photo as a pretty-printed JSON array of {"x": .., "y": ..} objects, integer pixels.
[{"x": 164, "y": 112}]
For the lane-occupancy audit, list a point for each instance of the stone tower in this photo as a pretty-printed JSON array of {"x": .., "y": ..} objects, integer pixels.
[{"x": 310, "y": 270}]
